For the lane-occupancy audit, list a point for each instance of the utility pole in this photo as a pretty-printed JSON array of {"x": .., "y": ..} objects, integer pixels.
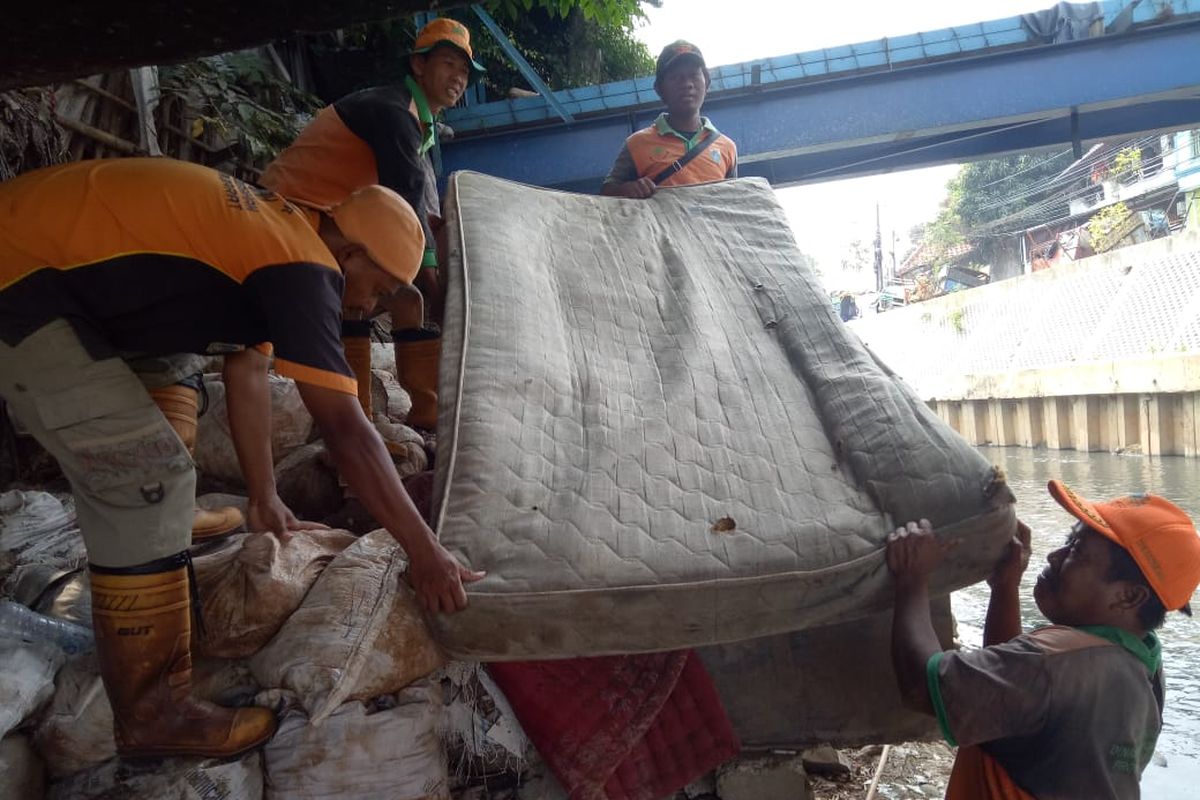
[
  {"x": 893, "y": 276},
  {"x": 878, "y": 252}
]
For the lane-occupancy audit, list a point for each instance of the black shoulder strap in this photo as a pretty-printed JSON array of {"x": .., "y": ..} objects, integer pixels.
[{"x": 683, "y": 160}]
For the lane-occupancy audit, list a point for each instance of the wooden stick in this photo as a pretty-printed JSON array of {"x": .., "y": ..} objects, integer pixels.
[
  {"x": 103, "y": 137},
  {"x": 883, "y": 757}
]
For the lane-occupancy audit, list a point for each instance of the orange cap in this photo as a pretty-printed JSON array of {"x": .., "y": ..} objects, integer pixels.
[
  {"x": 1157, "y": 533},
  {"x": 386, "y": 226},
  {"x": 444, "y": 30}
]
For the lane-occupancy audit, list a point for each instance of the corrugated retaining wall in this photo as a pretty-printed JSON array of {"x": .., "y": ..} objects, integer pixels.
[{"x": 1102, "y": 354}]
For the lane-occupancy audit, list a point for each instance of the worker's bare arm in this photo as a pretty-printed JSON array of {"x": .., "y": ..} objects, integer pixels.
[
  {"x": 912, "y": 555},
  {"x": 248, "y": 404},
  {"x": 363, "y": 461},
  {"x": 639, "y": 189},
  {"x": 1003, "y": 620}
]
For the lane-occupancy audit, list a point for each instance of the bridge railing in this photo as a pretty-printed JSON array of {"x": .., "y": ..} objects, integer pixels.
[{"x": 825, "y": 63}]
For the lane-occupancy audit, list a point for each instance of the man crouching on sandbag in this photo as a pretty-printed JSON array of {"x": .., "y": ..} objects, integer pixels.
[{"x": 102, "y": 261}]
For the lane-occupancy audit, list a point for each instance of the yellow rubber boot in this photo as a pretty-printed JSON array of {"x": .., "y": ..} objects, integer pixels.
[
  {"x": 143, "y": 643},
  {"x": 179, "y": 404},
  {"x": 417, "y": 370}
]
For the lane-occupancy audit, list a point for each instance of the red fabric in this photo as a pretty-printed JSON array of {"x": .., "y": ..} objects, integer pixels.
[{"x": 621, "y": 727}]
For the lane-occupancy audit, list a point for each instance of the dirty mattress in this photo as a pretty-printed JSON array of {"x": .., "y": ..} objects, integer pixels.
[{"x": 654, "y": 432}]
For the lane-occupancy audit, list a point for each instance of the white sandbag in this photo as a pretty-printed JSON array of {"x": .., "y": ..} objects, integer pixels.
[
  {"x": 383, "y": 357},
  {"x": 406, "y": 446},
  {"x": 252, "y": 583},
  {"x": 27, "y": 517},
  {"x": 39, "y": 542},
  {"x": 76, "y": 730},
  {"x": 291, "y": 426},
  {"x": 26, "y": 679},
  {"x": 365, "y": 751},
  {"x": 388, "y": 397},
  {"x": 169, "y": 779},
  {"x": 358, "y": 633},
  {"x": 478, "y": 725},
  {"x": 21, "y": 775},
  {"x": 307, "y": 482}
]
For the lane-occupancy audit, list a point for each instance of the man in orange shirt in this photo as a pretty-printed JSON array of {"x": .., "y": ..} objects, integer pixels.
[
  {"x": 1072, "y": 709},
  {"x": 652, "y": 157},
  {"x": 107, "y": 261},
  {"x": 384, "y": 135}
]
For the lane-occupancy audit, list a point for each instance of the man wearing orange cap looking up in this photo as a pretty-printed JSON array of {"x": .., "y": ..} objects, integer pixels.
[
  {"x": 680, "y": 147},
  {"x": 104, "y": 261},
  {"x": 384, "y": 135},
  {"x": 1073, "y": 709}
]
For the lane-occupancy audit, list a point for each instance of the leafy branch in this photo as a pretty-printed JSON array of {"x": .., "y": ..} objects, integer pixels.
[{"x": 239, "y": 97}]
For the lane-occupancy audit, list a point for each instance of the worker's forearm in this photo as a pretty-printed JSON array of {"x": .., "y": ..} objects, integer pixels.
[
  {"x": 1003, "y": 620},
  {"x": 248, "y": 404},
  {"x": 914, "y": 641},
  {"x": 363, "y": 460}
]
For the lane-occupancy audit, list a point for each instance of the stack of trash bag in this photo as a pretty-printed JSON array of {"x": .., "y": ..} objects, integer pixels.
[{"x": 320, "y": 627}]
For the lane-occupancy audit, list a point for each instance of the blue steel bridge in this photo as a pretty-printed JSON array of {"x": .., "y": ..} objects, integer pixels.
[{"x": 942, "y": 96}]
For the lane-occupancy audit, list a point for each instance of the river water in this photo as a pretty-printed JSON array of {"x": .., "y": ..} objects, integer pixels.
[{"x": 1175, "y": 772}]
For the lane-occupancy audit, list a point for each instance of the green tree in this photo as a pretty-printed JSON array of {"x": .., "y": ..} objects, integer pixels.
[
  {"x": 615, "y": 13},
  {"x": 857, "y": 257},
  {"x": 985, "y": 191},
  {"x": 568, "y": 43},
  {"x": 566, "y": 52}
]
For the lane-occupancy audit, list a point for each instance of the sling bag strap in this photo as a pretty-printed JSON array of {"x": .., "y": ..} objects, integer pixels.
[{"x": 683, "y": 160}]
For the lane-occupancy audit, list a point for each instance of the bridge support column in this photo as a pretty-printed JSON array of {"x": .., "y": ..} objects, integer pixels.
[
  {"x": 950, "y": 412},
  {"x": 1123, "y": 423},
  {"x": 1056, "y": 420},
  {"x": 974, "y": 422},
  {"x": 1029, "y": 427},
  {"x": 1002, "y": 422},
  {"x": 1085, "y": 423},
  {"x": 1158, "y": 424},
  {"x": 1104, "y": 409},
  {"x": 1187, "y": 424}
]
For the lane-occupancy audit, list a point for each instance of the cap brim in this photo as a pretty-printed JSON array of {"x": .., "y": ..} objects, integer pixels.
[
  {"x": 699, "y": 59},
  {"x": 1083, "y": 510}
]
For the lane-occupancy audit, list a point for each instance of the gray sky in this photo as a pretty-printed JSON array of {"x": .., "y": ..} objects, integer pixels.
[{"x": 827, "y": 217}]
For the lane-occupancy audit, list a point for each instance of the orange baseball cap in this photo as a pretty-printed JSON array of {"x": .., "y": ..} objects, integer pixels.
[
  {"x": 1157, "y": 533},
  {"x": 385, "y": 225},
  {"x": 444, "y": 30}
]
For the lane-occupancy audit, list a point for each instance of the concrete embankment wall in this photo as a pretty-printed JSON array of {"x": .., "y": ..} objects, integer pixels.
[{"x": 1101, "y": 354}]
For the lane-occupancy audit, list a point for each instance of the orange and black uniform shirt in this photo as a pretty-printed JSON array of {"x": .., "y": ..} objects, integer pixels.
[
  {"x": 651, "y": 150},
  {"x": 1059, "y": 713},
  {"x": 372, "y": 136},
  {"x": 151, "y": 256}
]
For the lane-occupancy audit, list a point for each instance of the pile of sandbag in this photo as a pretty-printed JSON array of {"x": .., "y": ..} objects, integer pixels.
[
  {"x": 320, "y": 627},
  {"x": 305, "y": 477}
]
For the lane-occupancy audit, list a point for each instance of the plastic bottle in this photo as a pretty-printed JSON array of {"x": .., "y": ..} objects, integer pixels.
[{"x": 24, "y": 624}]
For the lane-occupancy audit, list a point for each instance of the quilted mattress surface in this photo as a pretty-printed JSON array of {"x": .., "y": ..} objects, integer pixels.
[{"x": 654, "y": 433}]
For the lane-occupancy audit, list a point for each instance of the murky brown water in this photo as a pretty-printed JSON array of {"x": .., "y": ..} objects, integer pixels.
[{"x": 1175, "y": 775}]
